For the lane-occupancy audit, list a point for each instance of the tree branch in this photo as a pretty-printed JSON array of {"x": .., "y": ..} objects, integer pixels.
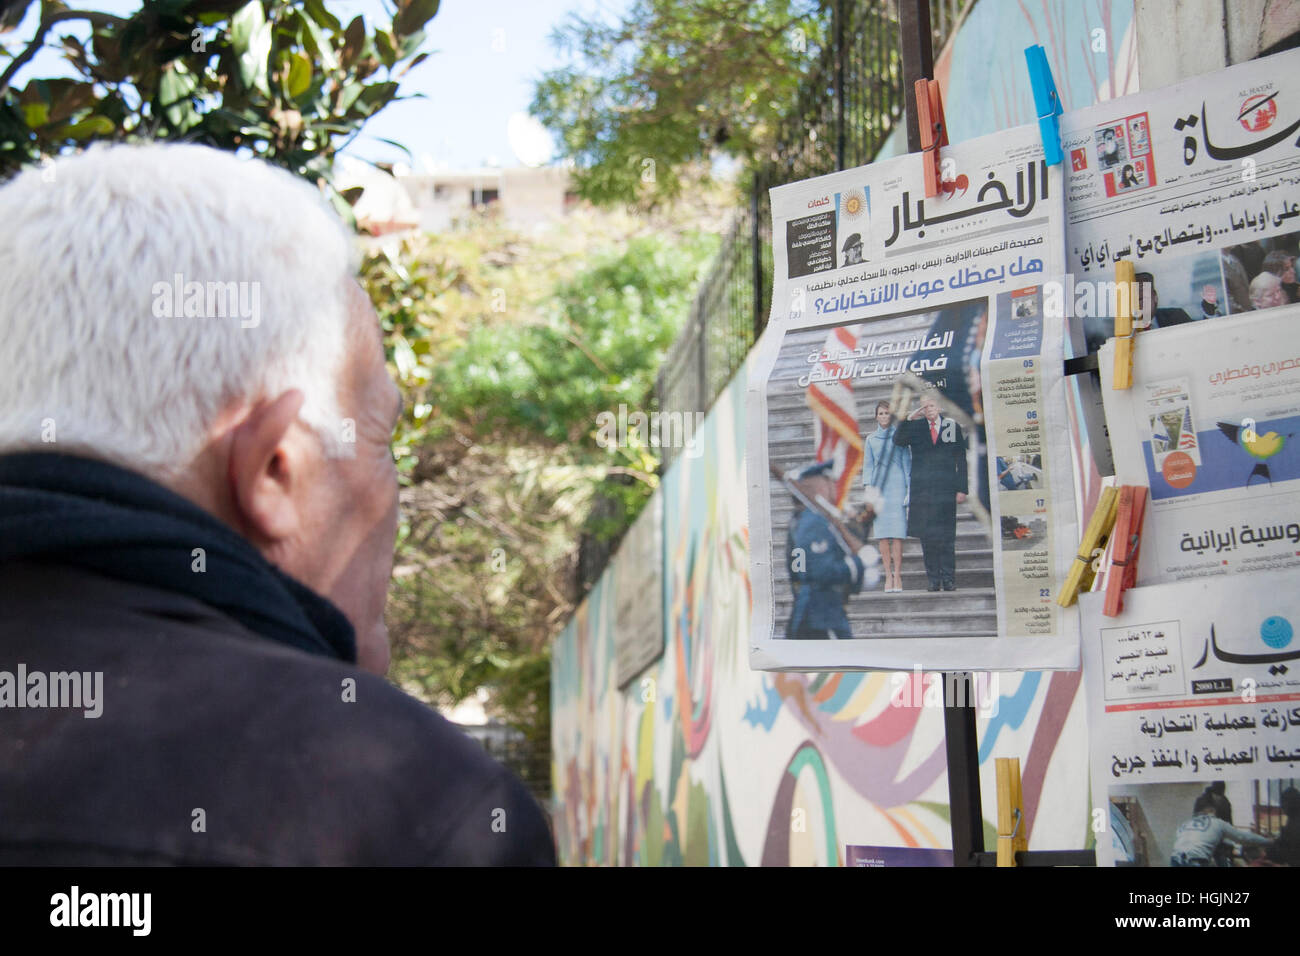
[
  {"x": 641, "y": 476},
  {"x": 49, "y": 17},
  {"x": 573, "y": 338}
]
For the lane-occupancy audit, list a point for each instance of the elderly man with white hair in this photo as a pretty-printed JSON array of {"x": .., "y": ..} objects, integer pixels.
[
  {"x": 1267, "y": 291},
  {"x": 198, "y": 505}
]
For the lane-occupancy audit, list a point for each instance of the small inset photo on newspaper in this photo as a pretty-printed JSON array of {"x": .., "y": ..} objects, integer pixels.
[{"x": 1239, "y": 822}]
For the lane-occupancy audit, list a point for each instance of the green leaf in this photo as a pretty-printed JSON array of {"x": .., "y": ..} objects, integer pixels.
[
  {"x": 68, "y": 97},
  {"x": 244, "y": 24},
  {"x": 412, "y": 65},
  {"x": 90, "y": 126},
  {"x": 376, "y": 94},
  {"x": 384, "y": 47},
  {"x": 250, "y": 35},
  {"x": 13, "y": 16},
  {"x": 35, "y": 114},
  {"x": 37, "y": 91},
  {"x": 354, "y": 41},
  {"x": 375, "y": 97},
  {"x": 316, "y": 9},
  {"x": 348, "y": 95},
  {"x": 395, "y": 145},
  {"x": 299, "y": 75},
  {"x": 175, "y": 88},
  {"x": 342, "y": 209},
  {"x": 408, "y": 45},
  {"x": 319, "y": 44},
  {"x": 412, "y": 15}
]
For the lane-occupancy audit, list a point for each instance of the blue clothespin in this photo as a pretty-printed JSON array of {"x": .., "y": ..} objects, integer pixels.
[{"x": 1047, "y": 102}]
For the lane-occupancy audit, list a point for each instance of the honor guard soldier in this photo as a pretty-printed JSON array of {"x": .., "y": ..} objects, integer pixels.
[{"x": 824, "y": 571}]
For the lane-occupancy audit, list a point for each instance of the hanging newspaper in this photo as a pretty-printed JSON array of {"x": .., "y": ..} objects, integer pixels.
[
  {"x": 1199, "y": 186},
  {"x": 1194, "y": 723},
  {"x": 1211, "y": 426},
  {"x": 909, "y": 472}
]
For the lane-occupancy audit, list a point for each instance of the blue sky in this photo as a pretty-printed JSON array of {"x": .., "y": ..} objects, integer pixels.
[
  {"x": 485, "y": 57},
  {"x": 487, "y": 54}
]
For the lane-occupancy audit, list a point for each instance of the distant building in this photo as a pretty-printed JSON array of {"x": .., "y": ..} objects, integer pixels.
[
  {"x": 470, "y": 715},
  {"x": 523, "y": 196},
  {"x": 532, "y": 763},
  {"x": 404, "y": 201}
]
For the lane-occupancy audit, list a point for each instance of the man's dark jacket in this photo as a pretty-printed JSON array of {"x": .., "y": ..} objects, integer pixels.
[
  {"x": 938, "y": 473},
  {"x": 225, "y": 735}
]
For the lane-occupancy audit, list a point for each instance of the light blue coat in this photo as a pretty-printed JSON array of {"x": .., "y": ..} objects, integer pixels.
[{"x": 889, "y": 468}]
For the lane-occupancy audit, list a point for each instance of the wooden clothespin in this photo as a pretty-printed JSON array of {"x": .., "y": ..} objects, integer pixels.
[
  {"x": 1094, "y": 537},
  {"x": 1124, "y": 553},
  {"x": 934, "y": 131},
  {"x": 1011, "y": 811},
  {"x": 1126, "y": 282},
  {"x": 1047, "y": 103}
]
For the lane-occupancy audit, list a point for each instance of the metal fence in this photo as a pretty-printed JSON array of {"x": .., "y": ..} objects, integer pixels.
[
  {"x": 530, "y": 762},
  {"x": 847, "y": 108},
  {"x": 726, "y": 316}
]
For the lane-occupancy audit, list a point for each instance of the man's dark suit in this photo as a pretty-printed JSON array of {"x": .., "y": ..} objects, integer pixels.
[{"x": 938, "y": 473}]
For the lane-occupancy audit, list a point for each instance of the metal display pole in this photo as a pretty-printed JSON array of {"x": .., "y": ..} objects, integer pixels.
[
  {"x": 962, "y": 745},
  {"x": 965, "y": 812}
]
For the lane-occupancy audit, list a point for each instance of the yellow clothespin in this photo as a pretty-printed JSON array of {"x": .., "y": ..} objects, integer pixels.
[
  {"x": 1126, "y": 283},
  {"x": 1094, "y": 537},
  {"x": 1011, "y": 811}
]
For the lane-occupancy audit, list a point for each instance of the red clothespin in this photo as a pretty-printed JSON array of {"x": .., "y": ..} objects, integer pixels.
[
  {"x": 934, "y": 131},
  {"x": 1128, "y": 540}
]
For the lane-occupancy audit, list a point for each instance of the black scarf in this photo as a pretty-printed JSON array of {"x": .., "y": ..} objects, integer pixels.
[{"x": 98, "y": 517}]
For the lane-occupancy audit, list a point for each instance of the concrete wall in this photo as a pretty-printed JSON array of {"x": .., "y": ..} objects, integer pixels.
[{"x": 1191, "y": 37}]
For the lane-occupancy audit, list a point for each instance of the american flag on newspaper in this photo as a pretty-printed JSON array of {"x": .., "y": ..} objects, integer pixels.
[{"x": 835, "y": 415}]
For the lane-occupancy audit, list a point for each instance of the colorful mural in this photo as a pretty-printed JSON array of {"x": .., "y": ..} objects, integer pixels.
[{"x": 701, "y": 761}]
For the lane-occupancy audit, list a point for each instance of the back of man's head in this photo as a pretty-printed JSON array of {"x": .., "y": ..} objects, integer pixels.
[{"x": 145, "y": 289}]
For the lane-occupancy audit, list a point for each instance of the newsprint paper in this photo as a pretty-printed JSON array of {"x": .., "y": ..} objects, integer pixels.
[
  {"x": 907, "y": 398},
  {"x": 1211, "y": 426},
  {"x": 1198, "y": 185},
  {"x": 1194, "y": 723}
]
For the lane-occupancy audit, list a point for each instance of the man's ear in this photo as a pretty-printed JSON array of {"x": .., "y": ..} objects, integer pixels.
[{"x": 264, "y": 468}]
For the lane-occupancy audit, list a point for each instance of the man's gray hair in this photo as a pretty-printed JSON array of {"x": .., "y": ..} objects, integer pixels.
[
  {"x": 145, "y": 290},
  {"x": 1262, "y": 285}
]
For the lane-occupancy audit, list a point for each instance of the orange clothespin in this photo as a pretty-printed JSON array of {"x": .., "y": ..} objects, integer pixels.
[
  {"x": 934, "y": 131},
  {"x": 1128, "y": 540},
  {"x": 1126, "y": 282}
]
